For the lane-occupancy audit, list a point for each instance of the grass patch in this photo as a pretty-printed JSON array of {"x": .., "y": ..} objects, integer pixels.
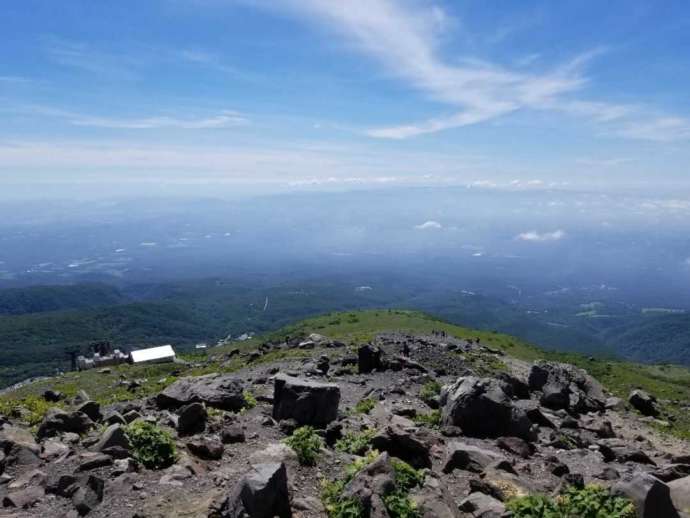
[
  {"x": 430, "y": 420},
  {"x": 152, "y": 446},
  {"x": 356, "y": 443},
  {"x": 306, "y": 443},
  {"x": 430, "y": 391},
  {"x": 397, "y": 502},
  {"x": 364, "y": 406},
  {"x": 588, "y": 502},
  {"x": 30, "y": 409}
]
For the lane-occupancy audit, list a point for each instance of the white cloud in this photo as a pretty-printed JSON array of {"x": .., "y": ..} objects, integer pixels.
[
  {"x": 429, "y": 225},
  {"x": 534, "y": 236},
  {"x": 405, "y": 38},
  {"x": 224, "y": 119}
]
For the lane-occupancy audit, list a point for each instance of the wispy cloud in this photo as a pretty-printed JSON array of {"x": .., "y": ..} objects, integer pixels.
[
  {"x": 221, "y": 119},
  {"x": 84, "y": 57},
  {"x": 429, "y": 225},
  {"x": 224, "y": 119},
  {"x": 405, "y": 38},
  {"x": 534, "y": 236}
]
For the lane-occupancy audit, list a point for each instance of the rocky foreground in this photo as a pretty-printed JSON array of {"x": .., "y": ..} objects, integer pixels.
[{"x": 498, "y": 429}]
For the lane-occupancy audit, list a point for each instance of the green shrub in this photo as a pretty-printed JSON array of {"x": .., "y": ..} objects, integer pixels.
[
  {"x": 249, "y": 400},
  {"x": 398, "y": 503},
  {"x": 430, "y": 390},
  {"x": 306, "y": 443},
  {"x": 589, "y": 502},
  {"x": 364, "y": 406},
  {"x": 432, "y": 419},
  {"x": 31, "y": 408},
  {"x": 356, "y": 443},
  {"x": 151, "y": 446}
]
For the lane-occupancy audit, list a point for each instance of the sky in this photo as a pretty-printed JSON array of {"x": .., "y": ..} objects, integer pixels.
[{"x": 251, "y": 96}]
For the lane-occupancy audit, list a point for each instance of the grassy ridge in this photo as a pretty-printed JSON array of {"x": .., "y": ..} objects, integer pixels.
[{"x": 670, "y": 384}]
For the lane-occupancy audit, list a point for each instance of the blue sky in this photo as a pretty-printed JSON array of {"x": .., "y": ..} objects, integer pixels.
[{"x": 264, "y": 95}]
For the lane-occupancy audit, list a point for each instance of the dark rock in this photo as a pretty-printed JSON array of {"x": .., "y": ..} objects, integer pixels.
[
  {"x": 88, "y": 494},
  {"x": 192, "y": 419},
  {"x": 672, "y": 472},
  {"x": 287, "y": 426},
  {"x": 131, "y": 416},
  {"x": 81, "y": 397},
  {"x": 232, "y": 434},
  {"x": 564, "y": 386},
  {"x": 369, "y": 358},
  {"x": 652, "y": 498},
  {"x": 114, "y": 418},
  {"x": 206, "y": 448},
  {"x": 405, "y": 441},
  {"x": 261, "y": 493},
  {"x": 19, "y": 446},
  {"x": 643, "y": 403},
  {"x": 560, "y": 469},
  {"x": 482, "y": 408},
  {"x": 53, "y": 396},
  {"x": 323, "y": 364},
  {"x": 516, "y": 446},
  {"x": 114, "y": 435},
  {"x": 91, "y": 461},
  {"x": 371, "y": 484},
  {"x": 609, "y": 473},
  {"x": 215, "y": 390},
  {"x": 23, "y": 499},
  {"x": 57, "y": 421},
  {"x": 62, "y": 485},
  {"x": 334, "y": 432},
  {"x": 91, "y": 409},
  {"x": 518, "y": 388},
  {"x": 468, "y": 457},
  {"x": 482, "y": 505},
  {"x": 433, "y": 499},
  {"x": 307, "y": 402}
]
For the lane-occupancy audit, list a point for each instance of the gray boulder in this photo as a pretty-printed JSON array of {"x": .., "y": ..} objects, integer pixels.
[
  {"x": 307, "y": 402},
  {"x": 371, "y": 484},
  {"x": 88, "y": 494},
  {"x": 192, "y": 419},
  {"x": 216, "y": 390},
  {"x": 369, "y": 358},
  {"x": 481, "y": 407},
  {"x": 91, "y": 409},
  {"x": 57, "y": 421},
  {"x": 643, "y": 403},
  {"x": 566, "y": 387},
  {"x": 680, "y": 494},
  {"x": 207, "y": 448},
  {"x": 113, "y": 436},
  {"x": 19, "y": 446},
  {"x": 402, "y": 439},
  {"x": 652, "y": 498},
  {"x": 261, "y": 493},
  {"x": 471, "y": 458},
  {"x": 24, "y": 498}
]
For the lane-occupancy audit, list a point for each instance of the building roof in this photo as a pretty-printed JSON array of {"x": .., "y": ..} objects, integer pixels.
[{"x": 153, "y": 353}]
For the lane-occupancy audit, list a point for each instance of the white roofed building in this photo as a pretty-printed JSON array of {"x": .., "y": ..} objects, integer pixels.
[{"x": 161, "y": 354}]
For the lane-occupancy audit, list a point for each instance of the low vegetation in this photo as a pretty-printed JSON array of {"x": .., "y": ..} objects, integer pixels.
[
  {"x": 306, "y": 443},
  {"x": 398, "y": 502},
  {"x": 430, "y": 391},
  {"x": 588, "y": 502},
  {"x": 152, "y": 446},
  {"x": 356, "y": 443},
  {"x": 364, "y": 406},
  {"x": 430, "y": 420}
]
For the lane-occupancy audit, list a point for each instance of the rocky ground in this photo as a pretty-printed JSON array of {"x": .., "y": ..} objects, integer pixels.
[{"x": 499, "y": 429}]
